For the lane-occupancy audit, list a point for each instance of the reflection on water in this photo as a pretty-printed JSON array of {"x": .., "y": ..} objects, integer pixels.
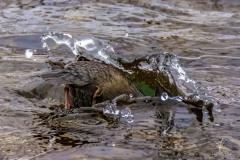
[{"x": 204, "y": 35}]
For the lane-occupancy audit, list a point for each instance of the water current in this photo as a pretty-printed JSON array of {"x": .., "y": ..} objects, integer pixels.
[{"x": 193, "y": 44}]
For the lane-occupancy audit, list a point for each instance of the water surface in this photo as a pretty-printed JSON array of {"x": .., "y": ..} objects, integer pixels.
[{"x": 203, "y": 35}]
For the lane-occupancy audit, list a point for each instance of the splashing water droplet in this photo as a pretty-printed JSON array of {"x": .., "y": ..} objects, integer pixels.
[
  {"x": 164, "y": 96},
  {"x": 126, "y": 112},
  {"x": 131, "y": 96},
  {"x": 196, "y": 97},
  {"x": 178, "y": 98},
  {"x": 111, "y": 108},
  {"x": 28, "y": 53},
  {"x": 126, "y": 34},
  {"x": 130, "y": 119},
  {"x": 127, "y": 115}
]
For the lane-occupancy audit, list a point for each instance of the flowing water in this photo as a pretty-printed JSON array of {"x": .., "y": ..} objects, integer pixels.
[{"x": 204, "y": 36}]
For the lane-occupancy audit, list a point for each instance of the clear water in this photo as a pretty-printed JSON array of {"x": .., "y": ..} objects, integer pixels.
[{"x": 204, "y": 36}]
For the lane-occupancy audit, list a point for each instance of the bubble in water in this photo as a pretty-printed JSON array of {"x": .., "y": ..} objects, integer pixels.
[
  {"x": 29, "y": 53},
  {"x": 164, "y": 96}
]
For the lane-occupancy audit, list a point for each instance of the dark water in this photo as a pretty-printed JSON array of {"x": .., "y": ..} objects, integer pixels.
[{"x": 204, "y": 35}]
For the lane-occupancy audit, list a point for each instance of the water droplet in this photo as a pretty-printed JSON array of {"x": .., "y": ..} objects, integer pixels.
[
  {"x": 131, "y": 96},
  {"x": 125, "y": 112},
  {"x": 178, "y": 98},
  {"x": 130, "y": 119},
  {"x": 217, "y": 109},
  {"x": 28, "y": 53},
  {"x": 113, "y": 144},
  {"x": 114, "y": 103},
  {"x": 164, "y": 96},
  {"x": 111, "y": 108},
  {"x": 209, "y": 88},
  {"x": 107, "y": 109},
  {"x": 126, "y": 34},
  {"x": 127, "y": 115}
]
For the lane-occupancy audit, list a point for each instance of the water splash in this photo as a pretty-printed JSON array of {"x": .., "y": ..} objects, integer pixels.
[
  {"x": 127, "y": 115},
  {"x": 58, "y": 39},
  {"x": 124, "y": 114},
  {"x": 170, "y": 65},
  {"x": 29, "y": 53},
  {"x": 111, "y": 108},
  {"x": 167, "y": 63},
  {"x": 178, "y": 98},
  {"x": 130, "y": 96},
  {"x": 182, "y": 76},
  {"x": 95, "y": 49},
  {"x": 164, "y": 96},
  {"x": 86, "y": 46},
  {"x": 126, "y": 34}
]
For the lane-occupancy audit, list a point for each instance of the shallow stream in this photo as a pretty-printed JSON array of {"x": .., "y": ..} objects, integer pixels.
[{"x": 203, "y": 39}]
